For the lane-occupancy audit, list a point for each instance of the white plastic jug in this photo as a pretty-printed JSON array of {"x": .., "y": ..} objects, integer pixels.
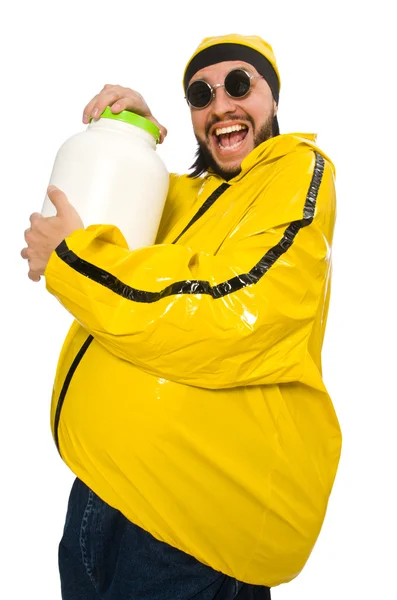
[{"x": 112, "y": 175}]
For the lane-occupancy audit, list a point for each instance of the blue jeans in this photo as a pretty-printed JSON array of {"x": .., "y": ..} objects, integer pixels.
[{"x": 103, "y": 556}]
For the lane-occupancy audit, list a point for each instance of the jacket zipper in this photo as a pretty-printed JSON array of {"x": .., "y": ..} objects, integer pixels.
[
  {"x": 207, "y": 204},
  {"x": 65, "y": 386},
  {"x": 203, "y": 209}
]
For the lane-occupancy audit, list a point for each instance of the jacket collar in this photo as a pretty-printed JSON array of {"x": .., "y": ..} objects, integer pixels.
[{"x": 275, "y": 148}]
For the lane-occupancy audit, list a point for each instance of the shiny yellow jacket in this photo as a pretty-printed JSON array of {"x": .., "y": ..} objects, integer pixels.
[{"x": 189, "y": 392}]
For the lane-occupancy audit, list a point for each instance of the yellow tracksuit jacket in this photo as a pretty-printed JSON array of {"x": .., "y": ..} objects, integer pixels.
[{"x": 189, "y": 393}]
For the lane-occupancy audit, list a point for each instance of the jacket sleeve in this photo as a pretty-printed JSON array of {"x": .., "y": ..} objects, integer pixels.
[{"x": 240, "y": 317}]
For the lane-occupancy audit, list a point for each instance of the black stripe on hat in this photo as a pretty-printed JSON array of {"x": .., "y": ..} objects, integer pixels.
[{"x": 223, "y": 52}]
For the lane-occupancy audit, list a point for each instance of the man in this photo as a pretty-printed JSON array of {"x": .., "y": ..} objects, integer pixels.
[{"x": 188, "y": 398}]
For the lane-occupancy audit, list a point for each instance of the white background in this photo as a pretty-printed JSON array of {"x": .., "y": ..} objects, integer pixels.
[{"x": 337, "y": 65}]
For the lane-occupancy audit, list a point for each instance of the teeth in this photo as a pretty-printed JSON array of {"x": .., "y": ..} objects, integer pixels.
[
  {"x": 229, "y": 147},
  {"x": 222, "y": 130}
]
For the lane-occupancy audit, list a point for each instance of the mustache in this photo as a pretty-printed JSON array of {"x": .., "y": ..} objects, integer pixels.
[{"x": 216, "y": 120}]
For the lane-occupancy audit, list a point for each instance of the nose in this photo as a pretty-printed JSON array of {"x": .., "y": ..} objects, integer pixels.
[{"x": 222, "y": 103}]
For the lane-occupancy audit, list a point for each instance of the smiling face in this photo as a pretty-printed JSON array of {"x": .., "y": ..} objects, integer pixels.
[{"x": 230, "y": 128}]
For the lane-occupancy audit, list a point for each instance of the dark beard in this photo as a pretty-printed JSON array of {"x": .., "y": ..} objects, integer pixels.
[{"x": 205, "y": 160}]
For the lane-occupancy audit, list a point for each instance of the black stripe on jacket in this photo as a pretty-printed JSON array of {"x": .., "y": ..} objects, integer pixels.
[{"x": 203, "y": 287}]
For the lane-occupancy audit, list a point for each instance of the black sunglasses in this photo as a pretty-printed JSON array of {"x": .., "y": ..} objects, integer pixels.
[{"x": 237, "y": 84}]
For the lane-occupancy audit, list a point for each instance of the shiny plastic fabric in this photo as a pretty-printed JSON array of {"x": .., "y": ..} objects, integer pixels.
[{"x": 189, "y": 392}]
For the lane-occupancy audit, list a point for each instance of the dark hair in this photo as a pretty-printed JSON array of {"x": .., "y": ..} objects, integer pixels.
[{"x": 200, "y": 164}]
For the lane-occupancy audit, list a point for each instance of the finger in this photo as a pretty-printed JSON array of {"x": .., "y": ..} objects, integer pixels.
[
  {"x": 59, "y": 199},
  {"x": 120, "y": 105},
  {"x": 24, "y": 253},
  {"x": 88, "y": 109},
  {"x": 119, "y": 99},
  {"x": 108, "y": 95},
  {"x": 163, "y": 134},
  {"x": 35, "y": 217},
  {"x": 133, "y": 101},
  {"x": 36, "y": 267},
  {"x": 128, "y": 99},
  {"x": 163, "y": 130},
  {"x": 34, "y": 276},
  {"x": 29, "y": 236}
]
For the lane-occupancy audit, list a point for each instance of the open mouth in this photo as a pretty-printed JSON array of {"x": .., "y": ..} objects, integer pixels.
[{"x": 230, "y": 138}]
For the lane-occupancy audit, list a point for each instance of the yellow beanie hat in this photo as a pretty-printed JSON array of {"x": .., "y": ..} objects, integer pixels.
[{"x": 248, "y": 48}]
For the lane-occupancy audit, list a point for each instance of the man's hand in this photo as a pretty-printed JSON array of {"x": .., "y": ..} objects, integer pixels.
[
  {"x": 119, "y": 98},
  {"x": 46, "y": 233}
]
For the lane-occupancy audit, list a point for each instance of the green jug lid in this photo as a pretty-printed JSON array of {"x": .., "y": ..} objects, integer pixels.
[{"x": 129, "y": 117}]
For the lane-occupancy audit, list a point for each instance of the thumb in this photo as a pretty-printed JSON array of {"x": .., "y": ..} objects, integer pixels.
[
  {"x": 163, "y": 130},
  {"x": 58, "y": 198}
]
